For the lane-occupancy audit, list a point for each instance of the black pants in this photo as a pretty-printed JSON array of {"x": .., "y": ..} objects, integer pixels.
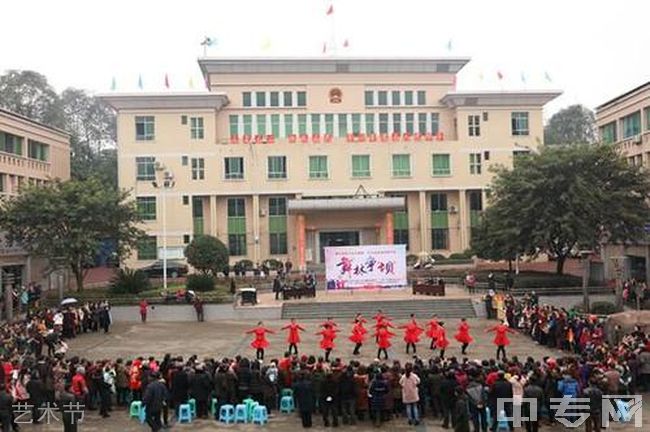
[
  {"x": 446, "y": 414},
  {"x": 436, "y": 405},
  {"x": 382, "y": 350},
  {"x": 259, "y": 354},
  {"x": 357, "y": 347},
  {"x": 295, "y": 348},
  {"x": 501, "y": 349},
  {"x": 202, "y": 408},
  {"x": 327, "y": 354},
  {"x": 464, "y": 347},
  {"x": 305, "y": 416},
  {"x": 442, "y": 353},
  {"x": 409, "y": 345},
  {"x": 104, "y": 402},
  {"x": 533, "y": 426},
  {"x": 330, "y": 409},
  {"x": 153, "y": 420},
  {"x": 433, "y": 344},
  {"x": 479, "y": 418},
  {"x": 6, "y": 422}
]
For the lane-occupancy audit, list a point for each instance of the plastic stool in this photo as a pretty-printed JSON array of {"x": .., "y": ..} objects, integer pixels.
[
  {"x": 143, "y": 415},
  {"x": 623, "y": 411},
  {"x": 192, "y": 404},
  {"x": 286, "y": 404},
  {"x": 260, "y": 415},
  {"x": 185, "y": 413},
  {"x": 134, "y": 410},
  {"x": 250, "y": 405},
  {"x": 227, "y": 414},
  {"x": 502, "y": 423},
  {"x": 213, "y": 406},
  {"x": 286, "y": 392},
  {"x": 241, "y": 413}
]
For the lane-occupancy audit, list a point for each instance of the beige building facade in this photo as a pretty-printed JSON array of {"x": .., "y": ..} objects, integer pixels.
[
  {"x": 282, "y": 157},
  {"x": 625, "y": 122},
  {"x": 30, "y": 153}
]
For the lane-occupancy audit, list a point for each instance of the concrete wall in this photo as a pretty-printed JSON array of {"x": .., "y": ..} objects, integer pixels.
[{"x": 212, "y": 312}]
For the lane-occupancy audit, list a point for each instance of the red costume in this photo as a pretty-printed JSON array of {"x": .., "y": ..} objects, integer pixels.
[
  {"x": 441, "y": 341},
  {"x": 501, "y": 336},
  {"x": 260, "y": 341},
  {"x": 412, "y": 332},
  {"x": 383, "y": 337},
  {"x": 358, "y": 334},
  {"x": 328, "y": 335},
  {"x": 432, "y": 332},
  {"x": 294, "y": 333},
  {"x": 463, "y": 333}
]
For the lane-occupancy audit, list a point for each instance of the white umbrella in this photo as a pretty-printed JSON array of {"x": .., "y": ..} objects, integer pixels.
[{"x": 69, "y": 301}]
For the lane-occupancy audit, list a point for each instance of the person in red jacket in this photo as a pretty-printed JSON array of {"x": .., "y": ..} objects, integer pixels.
[
  {"x": 259, "y": 342},
  {"x": 143, "y": 310},
  {"x": 432, "y": 331},
  {"x": 463, "y": 335},
  {"x": 358, "y": 334},
  {"x": 412, "y": 333},
  {"x": 383, "y": 336},
  {"x": 79, "y": 386},
  {"x": 293, "y": 337},
  {"x": 441, "y": 341},
  {"x": 501, "y": 337},
  {"x": 328, "y": 335}
]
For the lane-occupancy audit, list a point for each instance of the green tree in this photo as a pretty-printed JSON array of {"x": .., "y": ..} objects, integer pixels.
[
  {"x": 66, "y": 222},
  {"x": 568, "y": 197},
  {"x": 28, "y": 93},
  {"x": 494, "y": 241},
  {"x": 575, "y": 124},
  {"x": 207, "y": 254}
]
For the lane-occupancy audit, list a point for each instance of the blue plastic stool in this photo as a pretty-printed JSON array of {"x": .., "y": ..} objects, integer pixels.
[
  {"x": 623, "y": 411},
  {"x": 241, "y": 413},
  {"x": 260, "y": 415},
  {"x": 227, "y": 414},
  {"x": 185, "y": 413},
  {"x": 213, "y": 407},
  {"x": 192, "y": 404},
  {"x": 143, "y": 415},
  {"x": 286, "y": 404},
  {"x": 502, "y": 423},
  {"x": 134, "y": 410},
  {"x": 250, "y": 404}
]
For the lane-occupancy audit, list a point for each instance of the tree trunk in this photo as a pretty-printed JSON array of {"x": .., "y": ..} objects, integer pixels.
[
  {"x": 78, "y": 273},
  {"x": 509, "y": 266},
  {"x": 559, "y": 269}
]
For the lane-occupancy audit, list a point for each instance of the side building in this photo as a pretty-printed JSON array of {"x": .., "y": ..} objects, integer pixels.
[
  {"x": 625, "y": 122},
  {"x": 281, "y": 157},
  {"x": 30, "y": 153}
]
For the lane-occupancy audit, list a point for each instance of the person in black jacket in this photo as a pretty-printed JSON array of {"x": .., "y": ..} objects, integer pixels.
[
  {"x": 244, "y": 376},
  {"x": 70, "y": 410},
  {"x": 377, "y": 392},
  {"x": 200, "y": 389},
  {"x": 501, "y": 389},
  {"x": 303, "y": 392},
  {"x": 6, "y": 409},
  {"x": 153, "y": 400},
  {"x": 329, "y": 402},
  {"x": 532, "y": 412},
  {"x": 179, "y": 387},
  {"x": 36, "y": 390},
  {"x": 448, "y": 398},
  {"x": 348, "y": 391}
]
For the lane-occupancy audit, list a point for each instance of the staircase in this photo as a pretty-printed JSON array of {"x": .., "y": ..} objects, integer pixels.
[{"x": 422, "y": 308}]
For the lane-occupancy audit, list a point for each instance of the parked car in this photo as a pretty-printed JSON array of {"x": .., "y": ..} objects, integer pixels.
[{"x": 174, "y": 269}]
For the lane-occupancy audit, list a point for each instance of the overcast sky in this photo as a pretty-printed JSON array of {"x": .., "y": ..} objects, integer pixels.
[{"x": 592, "y": 50}]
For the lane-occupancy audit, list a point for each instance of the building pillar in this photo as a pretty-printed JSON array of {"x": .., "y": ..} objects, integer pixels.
[
  {"x": 423, "y": 221},
  {"x": 213, "y": 216},
  {"x": 462, "y": 218},
  {"x": 300, "y": 236},
  {"x": 389, "y": 228},
  {"x": 256, "y": 228}
]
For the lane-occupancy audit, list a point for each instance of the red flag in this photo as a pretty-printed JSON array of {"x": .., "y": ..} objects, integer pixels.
[
  {"x": 330, "y": 10},
  {"x": 346, "y": 44},
  {"x": 324, "y": 47},
  {"x": 166, "y": 81},
  {"x": 499, "y": 75}
]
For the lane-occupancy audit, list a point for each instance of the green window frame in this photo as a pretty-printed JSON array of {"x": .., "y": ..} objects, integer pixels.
[
  {"x": 302, "y": 124},
  {"x": 37, "y": 150},
  {"x": 475, "y": 163},
  {"x": 329, "y": 124},
  {"x": 196, "y": 128},
  {"x": 146, "y": 207},
  {"x": 10, "y": 143},
  {"x": 369, "y": 97},
  {"x": 383, "y": 123},
  {"x": 343, "y": 125},
  {"x": 248, "y": 124},
  {"x": 247, "y": 99},
  {"x": 147, "y": 248},
  {"x": 198, "y": 226},
  {"x": 145, "y": 128},
  {"x": 288, "y": 124},
  {"x": 277, "y": 167},
  {"x": 422, "y": 97},
  {"x": 356, "y": 124},
  {"x": 422, "y": 123},
  {"x": 370, "y": 123},
  {"x": 233, "y": 121},
  {"x": 395, "y": 99},
  {"x": 382, "y": 98},
  {"x": 275, "y": 99},
  {"x": 278, "y": 225},
  {"x": 435, "y": 123},
  {"x": 631, "y": 125},
  {"x": 145, "y": 168},
  {"x": 315, "y": 123},
  {"x": 361, "y": 166},
  {"x": 519, "y": 122},
  {"x": 237, "y": 226},
  {"x": 275, "y": 125},
  {"x": 401, "y": 228},
  {"x": 401, "y": 165},
  {"x": 647, "y": 118},
  {"x": 410, "y": 120},
  {"x": 397, "y": 123},
  {"x": 261, "y": 124},
  {"x": 439, "y": 221},
  {"x": 408, "y": 97},
  {"x": 608, "y": 133},
  {"x": 198, "y": 169},
  {"x": 441, "y": 165},
  {"x": 318, "y": 167},
  {"x": 234, "y": 168},
  {"x": 287, "y": 99},
  {"x": 260, "y": 99},
  {"x": 474, "y": 125},
  {"x": 302, "y": 98}
]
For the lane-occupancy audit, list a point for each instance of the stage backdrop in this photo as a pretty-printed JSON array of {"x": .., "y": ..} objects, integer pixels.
[{"x": 368, "y": 266}]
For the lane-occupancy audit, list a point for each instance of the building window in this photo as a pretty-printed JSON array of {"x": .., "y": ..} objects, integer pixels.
[
  {"x": 519, "y": 123},
  {"x": 631, "y": 125},
  {"x": 148, "y": 248},
  {"x": 475, "y": 211},
  {"x": 401, "y": 228},
  {"x": 278, "y": 225},
  {"x": 435, "y": 123},
  {"x": 343, "y": 125},
  {"x": 288, "y": 124},
  {"x": 248, "y": 124},
  {"x": 475, "y": 163},
  {"x": 261, "y": 124},
  {"x": 422, "y": 123},
  {"x": 397, "y": 123},
  {"x": 10, "y": 143},
  {"x": 647, "y": 118},
  {"x": 395, "y": 98},
  {"x": 186, "y": 200},
  {"x": 234, "y": 125},
  {"x": 315, "y": 123},
  {"x": 236, "y": 226},
  {"x": 145, "y": 168},
  {"x": 410, "y": 127},
  {"x": 277, "y": 167},
  {"x": 382, "y": 98},
  {"x": 356, "y": 124},
  {"x": 287, "y": 98},
  {"x": 183, "y": 119},
  {"x": 197, "y": 216},
  {"x": 302, "y": 98},
  {"x": 329, "y": 124},
  {"x": 275, "y": 125},
  {"x": 474, "y": 125},
  {"x": 144, "y": 128},
  {"x": 260, "y": 99},
  {"x": 370, "y": 123},
  {"x": 184, "y": 160},
  {"x": 302, "y": 124},
  {"x": 146, "y": 207},
  {"x": 441, "y": 166},
  {"x": 246, "y": 99},
  {"x": 275, "y": 99},
  {"x": 198, "y": 168},
  {"x": 439, "y": 221},
  {"x": 186, "y": 238},
  {"x": 37, "y": 150},
  {"x": 401, "y": 165},
  {"x": 370, "y": 97},
  {"x": 361, "y": 166},
  {"x": 422, "y": 97},
  {"x": 318, "y": 167},
  {"x": 234, "y": 168},
  {"x": 196, "y": 127},
  {"x": 408, "y": 97}
]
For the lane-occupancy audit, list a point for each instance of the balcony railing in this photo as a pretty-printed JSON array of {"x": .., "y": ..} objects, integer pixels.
[{"x": 24, "y": 162}]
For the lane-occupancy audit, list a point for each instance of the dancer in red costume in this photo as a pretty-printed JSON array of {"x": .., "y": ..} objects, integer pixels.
[
  {"x": 358, "y": 334},
  {"x": 432, "y": 330},
  {"x": 293, "y": 338},
  {"x": 328, "y": 335},
  {"x": 260, "y": 342},
  {"x": 463, "y": 335},
  {"x": 441, "y": 340},
  {"x": 329, "y": 322},
  {"x": 383, "y": 336},
  {"x": 412, "y": 332},
  {"x": 501, "y": 337},
  {"x": 381, "y": 320}
]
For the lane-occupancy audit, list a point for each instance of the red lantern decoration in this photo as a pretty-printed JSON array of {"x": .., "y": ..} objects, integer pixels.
[
  {"x": 234, "y": 139},
  {"x": 372, "y": 137},
  {"x": 292, "y": 138},
  {"x": 304, "y": 138},
  {"x": 315, "y": 138},
  {"x": 350, "y": 137},
  {"x": 258, "y": 139},
  {"x": 328, "y": 138},
  {"x": 362, "y": 137},
  {"x": 417, "y": 137},
  {"x": 384, "y": 137},
  {"x": 270, "y": 139},
  {"x": 440, "y": 136},
  {"x": 406, "y": 137},
  {"x": 247, "y": 139},
  {"x": 395, "y": 136},
  {"x": 428, "y": 137}
]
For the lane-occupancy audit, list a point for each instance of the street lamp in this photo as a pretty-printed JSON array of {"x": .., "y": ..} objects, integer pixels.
[
  {"x": 166, "y": 184},
  {"x": 585, "y": 255}
]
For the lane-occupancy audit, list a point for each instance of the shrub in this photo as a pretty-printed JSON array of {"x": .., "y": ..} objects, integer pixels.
[
  {"x": 207, "y": 254},
  {"x": 603, "y": 308},
  {"x": 129, "y": 281},
  {"x": 243, "y": 265},
  {"x": 273, "y": 264},
  {"x": 461, "y": 255},
  {"x": 200, "y": 282},
  {"x": 438, "y": 257},
  {"x": 411, "y": 259}
]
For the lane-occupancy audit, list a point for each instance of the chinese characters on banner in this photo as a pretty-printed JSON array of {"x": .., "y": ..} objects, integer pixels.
[{"x": 368, "y": 266}]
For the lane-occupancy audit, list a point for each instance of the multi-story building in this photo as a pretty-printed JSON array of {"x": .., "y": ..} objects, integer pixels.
[
  {"x": 282, "y": 157},
  {"x": 30, "y": 153},
  {"x": 625, "y": 122}
]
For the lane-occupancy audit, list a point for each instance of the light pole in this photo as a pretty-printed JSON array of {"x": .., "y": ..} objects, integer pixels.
[
  {"x": 167, "y": 183},
  {"x": 586, "y": 274}
]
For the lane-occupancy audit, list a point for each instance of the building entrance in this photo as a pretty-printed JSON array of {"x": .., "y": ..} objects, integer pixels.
[{"x": 337, "y": 238}]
